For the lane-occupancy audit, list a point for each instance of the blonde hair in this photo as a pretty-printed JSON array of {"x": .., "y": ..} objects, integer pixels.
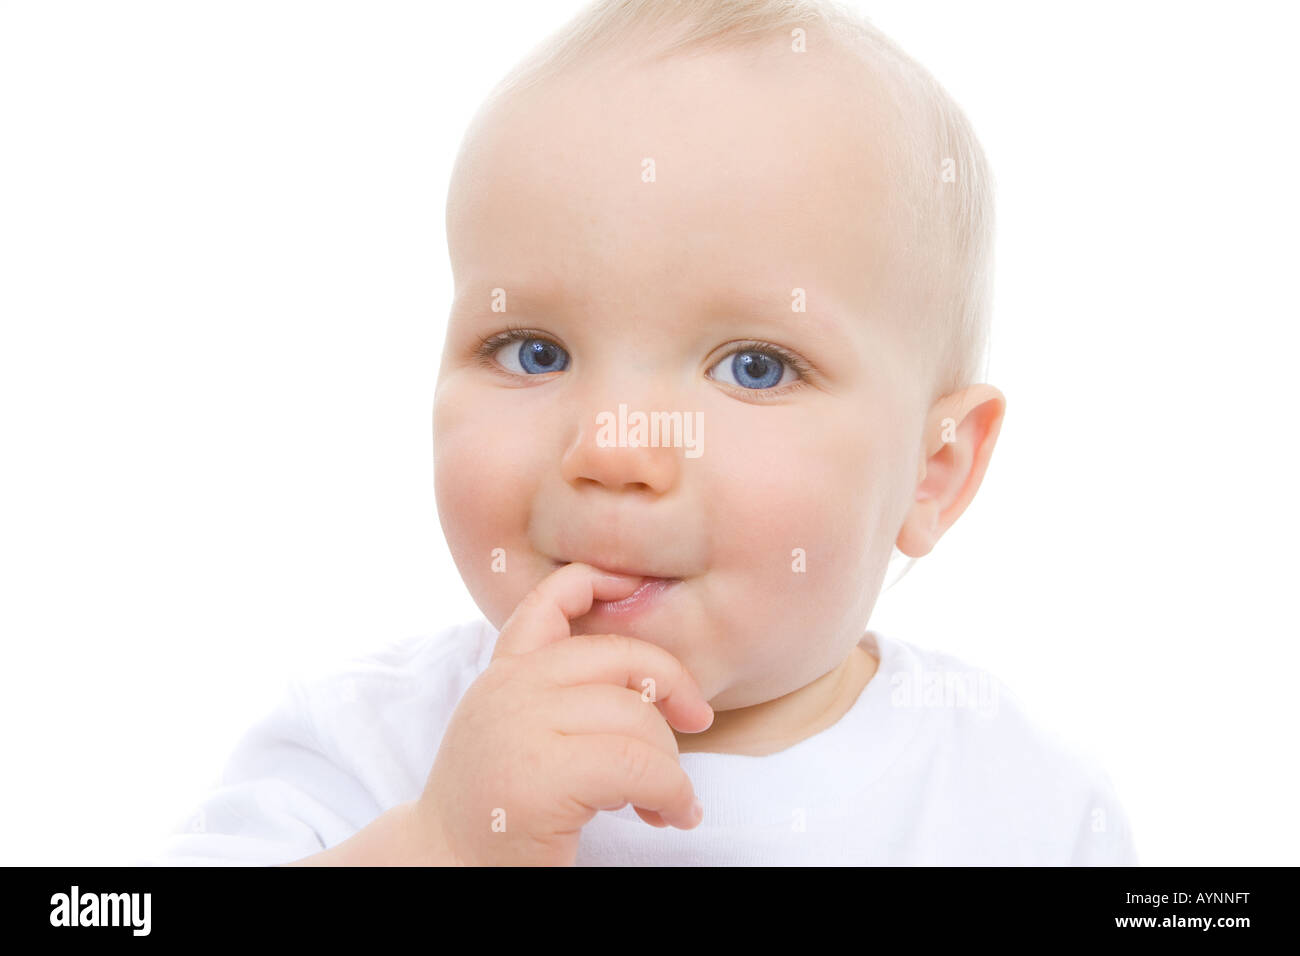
[{"x": 945, "y": 174}]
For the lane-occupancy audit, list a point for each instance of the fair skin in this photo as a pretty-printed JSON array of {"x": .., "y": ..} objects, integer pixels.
[
  {"x": 643, "y": 285},
  {"x": 763, "y": 184}
]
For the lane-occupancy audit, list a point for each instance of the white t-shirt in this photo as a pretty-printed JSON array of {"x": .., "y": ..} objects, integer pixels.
[{"x": 935, "y": 763}]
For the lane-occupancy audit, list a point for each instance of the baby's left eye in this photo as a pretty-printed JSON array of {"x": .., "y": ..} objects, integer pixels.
[
  {"x": 755, "y": 368},
  {"x": 533, "y": 355}
]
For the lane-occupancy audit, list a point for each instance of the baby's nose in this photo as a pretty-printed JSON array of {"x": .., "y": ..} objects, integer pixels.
[{"x": 625, "y": 448}]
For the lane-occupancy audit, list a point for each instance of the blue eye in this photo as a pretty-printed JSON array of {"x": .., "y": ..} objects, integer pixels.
[
  {"x": 755, "y": 368},
  {"x": 532, "y": 355}
]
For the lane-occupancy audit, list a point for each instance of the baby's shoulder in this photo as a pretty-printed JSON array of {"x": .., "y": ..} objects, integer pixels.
[
  {"x": 981, "y": 728},
  {"x": 1016, "y": 787}
]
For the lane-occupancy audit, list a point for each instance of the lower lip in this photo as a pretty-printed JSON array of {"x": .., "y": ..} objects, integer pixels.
[{"x": 639, "y": 601}]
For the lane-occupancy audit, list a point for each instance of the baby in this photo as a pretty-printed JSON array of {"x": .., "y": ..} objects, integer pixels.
[{"x": 721, "y": 306}]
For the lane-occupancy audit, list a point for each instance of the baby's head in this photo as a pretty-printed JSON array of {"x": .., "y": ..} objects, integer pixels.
[{"x": 759, "y": 215}]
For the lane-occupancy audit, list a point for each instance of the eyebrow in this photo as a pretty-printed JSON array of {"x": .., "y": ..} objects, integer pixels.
[{"x": 828, "y": 322}]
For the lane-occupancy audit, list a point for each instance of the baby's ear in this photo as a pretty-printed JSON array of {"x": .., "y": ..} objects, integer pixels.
[{"x": 960, "y": 433}]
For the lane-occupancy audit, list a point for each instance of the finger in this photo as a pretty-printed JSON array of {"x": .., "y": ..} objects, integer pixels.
[
  {"x": 650, "y": 817},
  {"x": 606, "y": 709},
  {"x": 629, "y": 662},
  {"x": 605, "y": 771},
  {"x": 543, "y": 616}
]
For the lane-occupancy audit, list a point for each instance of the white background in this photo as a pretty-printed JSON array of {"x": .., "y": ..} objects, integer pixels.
[{"x": 223, "y": 287}]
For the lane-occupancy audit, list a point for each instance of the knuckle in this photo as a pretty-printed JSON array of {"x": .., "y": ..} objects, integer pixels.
[
  {"x": 628, "y": 645},
  {"x": 502, "y": 668},
  {"x": 652, "y": 724},
  {"x": 632, "y": 758},
  {"x": 509, "y": 687},
  {"x": 500, "y": 676},
  {"x": 587, "y": 640},
  {"x": 676, "y": 668}
]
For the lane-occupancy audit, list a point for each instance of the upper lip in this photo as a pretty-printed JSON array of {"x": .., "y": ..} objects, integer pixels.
[{"x": 615, "y": 568}]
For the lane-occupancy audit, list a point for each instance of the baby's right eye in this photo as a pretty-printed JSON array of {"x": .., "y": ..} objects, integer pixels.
[{"x": 532, "y": 355}]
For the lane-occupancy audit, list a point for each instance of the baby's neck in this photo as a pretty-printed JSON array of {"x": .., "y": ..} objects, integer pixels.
[{"x": 775, "y": 725}]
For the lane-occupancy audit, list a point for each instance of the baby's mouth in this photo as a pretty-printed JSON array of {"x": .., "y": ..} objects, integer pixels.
[
  {"x": 646, "y": 576},
  {"x": 646, "y": 596}
]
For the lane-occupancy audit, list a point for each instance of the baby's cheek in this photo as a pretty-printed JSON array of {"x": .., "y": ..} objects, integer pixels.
[
  {"x": 764, "y": 536},
  {"x": 480, "y": 510},
  {"x": 777, "y": 505},
  {"x": 487, "y": 545}
]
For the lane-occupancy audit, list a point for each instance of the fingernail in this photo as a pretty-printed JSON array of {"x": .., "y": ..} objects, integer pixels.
[
  {"x": 697, "y": 810},
  {"x": 611, "y": 576}
]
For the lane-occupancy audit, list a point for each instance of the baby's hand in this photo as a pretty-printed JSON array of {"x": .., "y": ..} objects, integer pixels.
[{"x": 556, "y": 729}]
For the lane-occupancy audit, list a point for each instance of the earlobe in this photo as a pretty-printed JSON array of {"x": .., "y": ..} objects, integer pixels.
[
  {"x": 961, "y": 431},
  {"x": 920, "y": 529}
]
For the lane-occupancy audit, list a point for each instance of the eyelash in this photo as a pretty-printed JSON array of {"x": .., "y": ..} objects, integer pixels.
[{"x": 489, "y": 344}]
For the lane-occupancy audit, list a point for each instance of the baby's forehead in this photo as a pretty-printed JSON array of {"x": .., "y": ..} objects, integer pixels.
[
  {"x": 737, "y": 161},
  {"x": 834, "y": 95}
]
